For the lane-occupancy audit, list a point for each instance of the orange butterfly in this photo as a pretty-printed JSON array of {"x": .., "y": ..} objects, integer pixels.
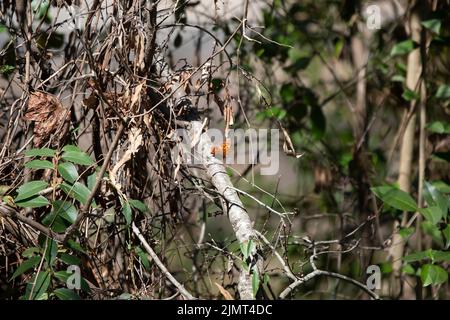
[{"x": 223, "y": 149}]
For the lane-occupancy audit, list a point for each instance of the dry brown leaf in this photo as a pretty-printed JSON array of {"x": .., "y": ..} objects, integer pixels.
[
  {"x": 136, "y": 95},
  {"x": 48, "y": 114},
  {"x": 140, "y": 50},
  {"x": 135, "y": 138},
  {"x": 224, "y": 292}
]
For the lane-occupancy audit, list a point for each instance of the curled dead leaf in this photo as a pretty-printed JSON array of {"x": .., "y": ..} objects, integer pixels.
[{"x": 48, "y": 115}]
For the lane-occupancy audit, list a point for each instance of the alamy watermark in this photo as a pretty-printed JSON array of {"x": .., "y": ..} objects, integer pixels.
[
  {"x": 74, "y": 279},
  {"x": 373, "y": 281}
]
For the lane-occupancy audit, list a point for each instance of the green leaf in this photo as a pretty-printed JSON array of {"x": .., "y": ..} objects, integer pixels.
[
  {"x": 63, "y": 276},
  {"x": 25, "y": 266},
  {"x": 77, "y": 191},
  {"x": 417, "y": 256},
  {"x": 441, "y": 186},
  {"x": 30, "y": 189},
  {"x": 432, "y": 214},
  {"x": 410, "y": 95},
  {"x": 70, "y": 259},
  {"x": 432, "y": 274},
  {"x": 68, "y": 171},
  {"x": 139, "y": 205},
  {"x": 434, "y": 198},
  {"x": 41, "y": 283},
  {"x": 39, "y": 164},
  {"x": 266, "y": 279},
  {"x": 441, "y": 256},
  {"x": 65, "y": 209},
  {"x": 439, "y": 127},
  {"x": 29, "y": 252},
  {"x": 77, "y": 157},
  {"x": 386, "y": 267},
  {"x": 91, "y": 180},
  {"x": 66, "y": 294},
  {"x": 433, "y": 231},
  {"x": 408, "y": 269},
  {"x": 398, "y": 78},
  {"x": 51, "y": 250},
  {"x": 395, "y": 198},
  {"x": 433, "y": 25},
  {"x": 247, "y": 248},
  {"x": 126, "y": 210},
  {"x": 406, "y": 232},
  {"x": 62, "y": 216},
  {"x": 402, "y": 48},
  {"x": 446, "y": 233},
  {"x": 255, "y": 280},
  {"x": 443, "y": 92},
  {"x": 44, "y": 152},
  {"x": 75, "y": 246},
  {"x": 143, "y": 258},
  {"x": 6, "y": 69},
  {"x": 71, "y": 147},
  {"x": 34, "y": 202}
]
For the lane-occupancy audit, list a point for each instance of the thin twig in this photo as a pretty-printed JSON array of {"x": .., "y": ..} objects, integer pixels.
[{"x": 160, "y": 265}]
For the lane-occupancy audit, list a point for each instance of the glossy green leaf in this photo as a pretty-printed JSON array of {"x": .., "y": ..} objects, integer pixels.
[
  {"x": 255, "y": 280},
  {"x": 77, "y": 157},
  {"x": 51, "y": 250},
  {"x": 68, "y": 171},
  {"x": 44, "y": 152},
  {"x": 26, "y": 265},
  {"x": 406, "y": 232},
  {"x": 433, "y": 231},
  {"x": 126, "y": 211},
  {"x": 441, "y": 256},
  {"x": 77, "y": 191},
  {"x": 66, "y": 210},
  {"x": 71, "y": 147},
  {"x": 66, "y": 294},
  {"x": 433, "y": 274},
  {"x": 37, "y": 287},
  {"x": 418, "y": 256},
  {"x": 433, "y": 25},
  {"x": 33, "y": 202},
  {"x": 432, "y": 214},
  {"x": 395, "y": 198},
  {"x": 30, "y": 189},
  {"x": 63, "y": 214},
  {"x": 70, "y": 259},
  {"x": 435, "y": 198},
  {"x": 76, "y": 246},
  {"x": 29, "y": 252},
  {"x": 441, "y": 186},
  {"x": 91, "y": 180},
  {"x": 439, "y": 127},
  {"x": 402, "y": 48},
  {"x": 143, "y": 258},
  {"x": 410, "y": 95},
  {"x": 408, "y": 269},
  {"x": 39, "y": 164}
]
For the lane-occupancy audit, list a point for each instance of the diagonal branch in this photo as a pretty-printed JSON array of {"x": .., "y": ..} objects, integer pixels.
[{"x": 160, "y": 265}]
